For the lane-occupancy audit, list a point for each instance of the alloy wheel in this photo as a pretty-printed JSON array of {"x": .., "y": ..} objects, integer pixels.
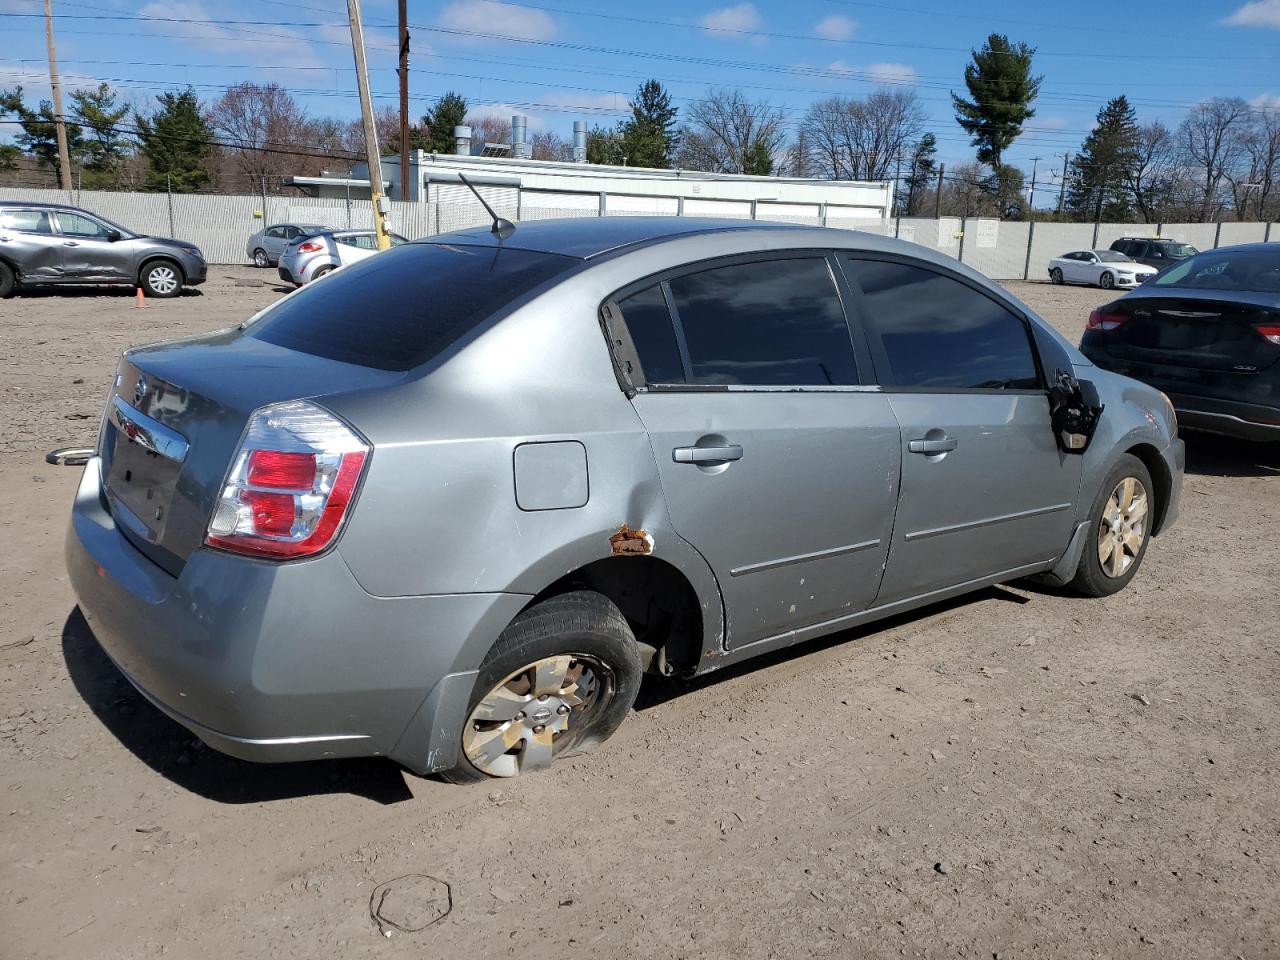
[
  {"x": 1123, "y": 527},
  {"x": 162, "y": 280},
  {"x": 534, "y": 714}
]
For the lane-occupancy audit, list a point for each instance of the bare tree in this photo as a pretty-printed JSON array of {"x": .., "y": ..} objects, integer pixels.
[
  {"x": 730, "y": 134},
  {"x": 863, "y": 139},
  {"x": 967, "y": 192},
  {"x": 549, "y": 145},
  {"x": 1254, "y": 179},
  {"x": 1210, "y": 141},
  {"x": 490, "y": 128},
  {"x": 264, "y": 128},
  {"x": 1150, "y": 176}
]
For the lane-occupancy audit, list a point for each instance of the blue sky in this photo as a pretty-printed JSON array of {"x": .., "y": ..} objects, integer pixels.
[{"x": 582, "y": 60}]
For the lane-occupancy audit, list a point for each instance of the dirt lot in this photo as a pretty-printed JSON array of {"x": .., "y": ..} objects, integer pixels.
[{"x": 1091, "y": 778}]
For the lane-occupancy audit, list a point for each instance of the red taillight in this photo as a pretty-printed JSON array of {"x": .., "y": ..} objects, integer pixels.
[
  {"x": 1105, "y": 320},
  {"x": 1270, "y": 332},
  {"x": 291, "y": 485},
  {"x": 282, "y": 471},
  {"x": 310, "y": 247}
]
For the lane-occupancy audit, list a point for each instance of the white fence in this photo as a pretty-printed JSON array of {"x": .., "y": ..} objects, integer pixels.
[{"x": 220, "y": 225}]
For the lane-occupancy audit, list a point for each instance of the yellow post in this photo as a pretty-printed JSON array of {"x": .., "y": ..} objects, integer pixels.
[{"x": 370, "y": 128}]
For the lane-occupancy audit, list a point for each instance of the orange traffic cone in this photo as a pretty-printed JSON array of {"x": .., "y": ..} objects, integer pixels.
[{"x": 142, "y": 301}]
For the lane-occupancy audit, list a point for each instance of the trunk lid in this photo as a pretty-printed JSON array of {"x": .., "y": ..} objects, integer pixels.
[
  {"x": 1196, "y": 329},
  {"x": 174, "y": 421}
]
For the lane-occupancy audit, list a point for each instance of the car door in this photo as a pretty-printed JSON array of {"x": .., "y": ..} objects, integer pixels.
[
  {"x": 29, "y": 240},
  {"x": 985, "y": 489},
  {"x": 1074, "y": 269},
  {"x": 777, "y": 463},
  {"x": 274, "y": 242},
  {"x": 90, "y": 254},
  {"x": 1090, "y": 267}
]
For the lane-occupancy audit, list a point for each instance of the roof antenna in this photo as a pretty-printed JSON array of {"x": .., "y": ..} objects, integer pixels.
[{"x": 501, "y": 228}]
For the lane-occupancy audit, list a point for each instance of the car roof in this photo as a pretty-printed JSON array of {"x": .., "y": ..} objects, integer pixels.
[
  {"x": 33, "y": 205},
  {"x": 587, "y": 237}
]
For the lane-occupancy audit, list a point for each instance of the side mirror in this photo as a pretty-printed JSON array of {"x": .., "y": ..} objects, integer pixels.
[
  {"x": 1075, "y": 407},
  {"x": 113, "y": 235}
]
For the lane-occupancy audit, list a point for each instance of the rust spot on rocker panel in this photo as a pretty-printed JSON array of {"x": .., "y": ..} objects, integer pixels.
[{"x": 631, "y": 543}]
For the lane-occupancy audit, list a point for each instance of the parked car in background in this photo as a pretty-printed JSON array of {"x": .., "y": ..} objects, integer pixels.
[
  {"x": 450, "y": 504},
  {"x": 265, "y": 247},
  {"x": 1101, "y": 268},
  {"x": 44, "y": 243},
  {"x": 311, "y": 257},
  {"x": 1206, "y": 332},
  {"x": 1155, "y": 252}
]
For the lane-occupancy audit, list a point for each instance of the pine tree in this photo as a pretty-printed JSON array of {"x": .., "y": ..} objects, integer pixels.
[
  {"x": 39, "y": 135},
  {"x": 1100, "y": 173},
  {"x": 759, "y": 159},
  {"x": 177, "y": 143},
  {"x": 437, "y": 125},
  {"x": 649, "y": 136},
  {"x": 924, "y": 168},
  {"x": 604, "y": 146},
  {"x": 1002, "y": 89},
  {"x": 105, "y": 149}
]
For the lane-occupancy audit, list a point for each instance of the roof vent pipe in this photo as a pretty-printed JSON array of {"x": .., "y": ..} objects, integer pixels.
[
  {"x": 579, "y": 141},
  {"x": 462, "y": 141},
  {"x": 519, "y": 136}
]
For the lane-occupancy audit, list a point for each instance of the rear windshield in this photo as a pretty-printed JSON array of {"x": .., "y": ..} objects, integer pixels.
[
  {"x": 1242, "y": 270},
  {"x": 400, "y": 308}
]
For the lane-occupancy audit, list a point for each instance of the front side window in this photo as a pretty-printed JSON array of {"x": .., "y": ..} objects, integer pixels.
[
  {"x": 77, "y": 225},
  {"x": 939, "y": 333},
  {"x": 765, "y": 323},
  {"x": 26, "y": 221}
]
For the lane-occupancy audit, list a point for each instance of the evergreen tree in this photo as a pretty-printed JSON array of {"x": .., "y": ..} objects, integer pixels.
[
  {"x": 604, "y": 146},
  {"x": 437, "y": 125},
  {"x": 39, "y": 135},
  {"x": 178, "y": 144},
  {"x": 1002, "y": 89},
  {"x": 924, "y": 170},
  {"x": 649, "y": 136},
  {"x": 105, "y": 148},
  {"x": 759, "y": 158},
  {"x": 1097, "y": 185}
]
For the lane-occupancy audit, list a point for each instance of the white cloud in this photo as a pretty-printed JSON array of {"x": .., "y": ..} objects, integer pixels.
[
  {"x": 1266, "y": 101},
  {"x": 892, "y": 73},
  {"x": 1051, "y": 123},
  {"x": 489, "y": 16},
  {"x": 282, "y": 46},
  {"x": 731, "y": 20},
  {"x": 20, "y": 6},
  {"x": 1259, "y": 13},
  {"x": 835, "y": 27}
]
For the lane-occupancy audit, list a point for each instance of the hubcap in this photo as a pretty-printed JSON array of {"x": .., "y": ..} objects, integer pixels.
[
  {"x": 260, "y": 258},
  {"x": 532, "y": 715},
  {"x": 1123, "y": 527},
  {"x": 163, "y": 280}
]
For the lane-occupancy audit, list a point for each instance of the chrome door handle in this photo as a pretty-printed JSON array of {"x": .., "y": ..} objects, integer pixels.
[
  {"x": 706, "y": 454},
  {"x": 945, "y": 445},
  {"x": 70, "y": 243}
]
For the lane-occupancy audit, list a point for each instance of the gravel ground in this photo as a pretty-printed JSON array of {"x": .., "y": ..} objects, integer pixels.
[{"x": 1020, "y": 773}]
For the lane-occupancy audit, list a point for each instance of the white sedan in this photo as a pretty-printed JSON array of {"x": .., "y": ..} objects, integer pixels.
[{"x": 1100, "y": 268}]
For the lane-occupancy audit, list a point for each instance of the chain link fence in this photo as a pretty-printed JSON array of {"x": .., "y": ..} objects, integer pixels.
[{"x": 220, "y": 225}]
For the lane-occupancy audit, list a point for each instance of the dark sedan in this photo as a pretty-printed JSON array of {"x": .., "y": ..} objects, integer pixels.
[{"x": 1207, "y": 333}]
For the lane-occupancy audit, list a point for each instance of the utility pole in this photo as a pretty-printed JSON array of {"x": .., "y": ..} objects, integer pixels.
[
  {"x": 897, "y": 181},
  {"x": 1031, "y": 197},
  {"x": 404, "y": 99},
  {"x": 59, "y": 124},
  {"x": 937, "y": 199},
  {"x": 370, "y": 128},
  {"x": 1062, "y": 189}
]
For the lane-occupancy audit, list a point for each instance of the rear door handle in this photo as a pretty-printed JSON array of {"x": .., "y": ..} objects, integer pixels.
[
  {"x": 945, "y": 445},
  {"x": 706, "y": 454},
  {"x": 70, "y": 243}
]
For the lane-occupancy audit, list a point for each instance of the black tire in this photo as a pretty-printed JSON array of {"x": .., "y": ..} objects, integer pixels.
[
  {"x": 161, "y": 279},
  {"x": 1107, "y": 281},
  {"x": 323, "y": 271},
  {"x": 8, "y": 282},
  {"x": 1091, "y": 579},
  {"x": 1055, "y": 275},
  {"x": 260, "y": 258},
  {"x": 582, "y": 623}
]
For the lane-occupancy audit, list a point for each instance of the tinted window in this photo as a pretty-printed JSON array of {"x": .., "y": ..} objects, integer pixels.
[
  {"x": 649, "y": 322},
  {"x": 26, "y": 221},
  {"x": 768, "y": 323},
  {"x": 940, "y": 333},
  {"x": 276, "y": 233},
  {"x": 401, "y": 308},
  {"x": 75, "y": 225}
]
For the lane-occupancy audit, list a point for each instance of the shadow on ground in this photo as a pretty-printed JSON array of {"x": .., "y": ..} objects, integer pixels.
[
  {"x": 1210, "y": 455},
  {"x": 175, "y": 753},
  {"x": 118, "y": 291}
]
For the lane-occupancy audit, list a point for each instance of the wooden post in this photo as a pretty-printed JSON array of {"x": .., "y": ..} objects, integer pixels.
[
  {"x": 59, "y": 124},
  {"x": 372, "y": 153},
  {"x": 404, "y": 100}
]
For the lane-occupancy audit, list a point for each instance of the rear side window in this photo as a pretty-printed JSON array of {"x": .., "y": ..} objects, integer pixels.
[
  {"x": 939, "y": 333},
  {"x": 649, "y": 322},
  {"x": 401, "y": 308},
  {"x": 765, "y": 323},
  {"x": 26, "y": 221}
]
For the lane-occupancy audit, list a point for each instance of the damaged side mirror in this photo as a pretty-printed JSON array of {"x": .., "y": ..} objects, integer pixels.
[{"x": 1074, "y": 410}]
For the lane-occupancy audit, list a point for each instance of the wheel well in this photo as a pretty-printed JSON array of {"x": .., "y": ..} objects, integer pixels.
[
  {"x": 1160, "y": 476},
  {"x": 658, "y": 601},
  {"x": 142, "y": 267}
]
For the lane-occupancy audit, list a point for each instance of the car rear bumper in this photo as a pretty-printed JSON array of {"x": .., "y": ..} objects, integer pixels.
[
  {"x": 1247, "y": 421},
  {"x": 282, "y": 661},
  {"x": 286, "y": 274}
]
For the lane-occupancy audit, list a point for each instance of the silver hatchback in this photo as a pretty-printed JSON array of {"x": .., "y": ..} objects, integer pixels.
[
  {"x": 451, "y": 504},
  {"x": 310, "y": 257}
]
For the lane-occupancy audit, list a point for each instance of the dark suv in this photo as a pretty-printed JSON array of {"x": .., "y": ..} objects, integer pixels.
[
  {"x": 45, "y": 243},
  {"x": 1154, "y": 251}
]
